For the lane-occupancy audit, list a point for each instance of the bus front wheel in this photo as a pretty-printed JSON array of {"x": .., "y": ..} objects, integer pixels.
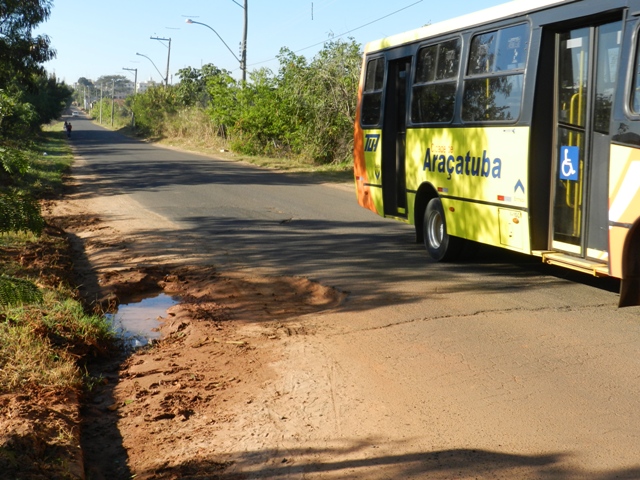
[{"x": 439, "y": 244}]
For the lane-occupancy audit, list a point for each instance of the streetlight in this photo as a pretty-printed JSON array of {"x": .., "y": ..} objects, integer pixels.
[
  {"x": 154, "y": 65},
  {"x": 168, "y": 54},
  {"x": 243, "y": 49}
]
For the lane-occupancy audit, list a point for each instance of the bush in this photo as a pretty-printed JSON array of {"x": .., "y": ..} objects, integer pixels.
[{"x": 306, "y": 110}]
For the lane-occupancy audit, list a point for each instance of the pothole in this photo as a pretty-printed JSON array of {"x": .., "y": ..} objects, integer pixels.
[{"x": 137, "y": 321}]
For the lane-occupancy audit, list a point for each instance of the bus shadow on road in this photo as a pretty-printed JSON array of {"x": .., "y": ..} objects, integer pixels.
[
  {"x": 490, "y": 260},
  {"x": 373, "y": 259},
  {"x": 348, "y": 463}
]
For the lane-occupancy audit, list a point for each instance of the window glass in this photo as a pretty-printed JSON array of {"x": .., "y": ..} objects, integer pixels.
[
  {"x": 606, "y": 73},
  {"x": 499, "y": 51},
  {"x": 434, "y": 90},
  {"x": 494, "y": 98},
  {"x": 448, "y": 59},
  {"x": 372, "y": 95},
  {"x": 573, "y": 57},
  {"x": 433, "y": 103},
  {"x": 375, "y": 75},
  {"x": 482, "y": 53},
  {"x": 495, "y": 57},
  {"x": 426, "y": 67},
  {"x": 371, "y": 106},
  {"x": 635, "y": 94},
  {"x": 512, "y": 48}
]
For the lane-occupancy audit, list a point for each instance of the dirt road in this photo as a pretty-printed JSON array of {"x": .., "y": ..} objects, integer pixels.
[{"x": 281, "y": 377}]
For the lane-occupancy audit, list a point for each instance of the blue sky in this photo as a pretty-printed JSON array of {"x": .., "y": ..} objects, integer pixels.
[{"x": 95, "y": 38}]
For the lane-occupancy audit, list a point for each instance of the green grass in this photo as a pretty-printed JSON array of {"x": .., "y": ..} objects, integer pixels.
[
  {"x": 29, "y": 361},
  {"x": 17, "y": 239},
  {"x": 42, "y": 344},
  {"x": 50, "y": 159}
]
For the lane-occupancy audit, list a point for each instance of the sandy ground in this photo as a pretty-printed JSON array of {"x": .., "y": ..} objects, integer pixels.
[
  {"x": 181, "y": 407},
  {"x": 261, "y": 377}
]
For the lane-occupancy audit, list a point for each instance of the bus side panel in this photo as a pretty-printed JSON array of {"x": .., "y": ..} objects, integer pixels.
[
  {"x": 481, "y": 174},
  {"x": 624, "y": 201},
  {"x": 488, "y": 224},
  {"x": 370, "y": 184},
  {"x": 364, "y": 162}
]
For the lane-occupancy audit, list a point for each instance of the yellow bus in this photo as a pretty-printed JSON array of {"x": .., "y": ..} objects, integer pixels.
[{"x": 517, "y": 126}]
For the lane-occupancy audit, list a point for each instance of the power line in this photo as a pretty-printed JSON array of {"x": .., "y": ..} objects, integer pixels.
[{"x": 343, "y": 34}]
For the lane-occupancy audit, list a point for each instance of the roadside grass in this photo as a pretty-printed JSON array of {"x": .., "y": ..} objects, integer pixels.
[
  {"x": 338, "y": 172},
  {"x": 47, "y": 341},
  {"x": 42, "y": 344},
  {"x": 17, "y": 239},
  {"x": 192, "y": 130}
]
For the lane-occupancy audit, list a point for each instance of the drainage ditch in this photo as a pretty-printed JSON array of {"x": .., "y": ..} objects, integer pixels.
[{"x": 138, "y": 321}]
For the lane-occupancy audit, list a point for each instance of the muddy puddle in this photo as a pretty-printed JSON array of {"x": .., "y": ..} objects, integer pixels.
[{"x": 137, "y": 321}]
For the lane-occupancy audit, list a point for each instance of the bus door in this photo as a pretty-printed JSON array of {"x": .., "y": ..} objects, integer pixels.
[
  {"x": 394, "y": 145},
  {"x": 586, "y": 68}
]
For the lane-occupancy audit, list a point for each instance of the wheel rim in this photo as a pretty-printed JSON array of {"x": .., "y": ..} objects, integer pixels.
[{"x": 436, "y": 230}]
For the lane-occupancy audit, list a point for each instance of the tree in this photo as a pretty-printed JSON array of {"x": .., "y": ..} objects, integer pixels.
[
  {"x": 192, "y": 89},
  {"x": 262, "y": 126},
  {"x": 22, "y": 76},
  {"x": 332, "y": 90},
  {"x": 49, "y": 98},
  {"x": 223, "y": 108},
  {"x": 85, "y": 82},
  {"x": 152, "y": 107},
  {"x": 21, "y": 54},
  {"x": 121, "y": 84},
  {"x": 27, "y": 97}
]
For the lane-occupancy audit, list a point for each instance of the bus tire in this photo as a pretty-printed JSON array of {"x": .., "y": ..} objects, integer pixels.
[{"x": 439, "y": 244}]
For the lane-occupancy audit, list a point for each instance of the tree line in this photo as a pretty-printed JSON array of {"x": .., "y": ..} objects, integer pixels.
[
  {"x": 29, "y": 98},
  {"x": 306, "y": 109}
]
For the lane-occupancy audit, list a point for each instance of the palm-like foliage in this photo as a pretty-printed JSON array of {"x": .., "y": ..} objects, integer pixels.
[{"x": 16, "y": 291}]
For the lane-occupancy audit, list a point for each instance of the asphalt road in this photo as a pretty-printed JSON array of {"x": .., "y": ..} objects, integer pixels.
[{"x": 497, "y": 367}]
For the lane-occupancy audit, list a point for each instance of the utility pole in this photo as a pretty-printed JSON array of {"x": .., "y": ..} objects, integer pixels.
[
  {"x": 113, "y": 98},
  {"x": 135, "y": 92},
  {"x": 101, "y": 85},
  {"x": 166, "y": 80},
  {"x": 243, "y": 45},
  {"x": 243, "y": 55}
]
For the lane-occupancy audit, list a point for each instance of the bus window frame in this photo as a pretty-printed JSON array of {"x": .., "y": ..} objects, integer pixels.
[
  {"x": 461, "y": 63},
  {"x": 368, "y": 59},
  {"x": 496, "y": 74},
  {"x": 633, "y": 70}
]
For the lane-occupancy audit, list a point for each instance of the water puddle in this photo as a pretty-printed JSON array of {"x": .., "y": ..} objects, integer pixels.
[{"x": 137, "y": 322}]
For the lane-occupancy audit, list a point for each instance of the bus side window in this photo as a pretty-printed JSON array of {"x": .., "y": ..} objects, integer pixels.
[
  {"x": 606, "y": 74},
  {"x": 495, "y": 76},
  {"x": 372, "y": 93},
  {"x": 434, "y": 88},
  {"x": 635, "y": 94},
  {"x": 512, "y": 48},
  {"x": 482, "y": 54}
]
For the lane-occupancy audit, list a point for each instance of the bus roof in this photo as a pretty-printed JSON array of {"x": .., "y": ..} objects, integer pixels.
[{"x": 505, "y": 10}]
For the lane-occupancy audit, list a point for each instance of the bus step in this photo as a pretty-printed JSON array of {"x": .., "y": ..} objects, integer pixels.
[{"x": 597, "y": 269}]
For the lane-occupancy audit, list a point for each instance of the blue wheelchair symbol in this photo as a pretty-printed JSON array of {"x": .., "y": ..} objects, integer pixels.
[{"x": 569, "y": 163}]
